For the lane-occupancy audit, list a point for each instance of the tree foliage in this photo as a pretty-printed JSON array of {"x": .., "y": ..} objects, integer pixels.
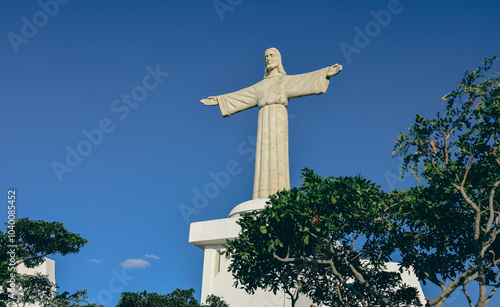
[
  {"x": 66, "y": 299},
  {"x": 451, "y": 222},
  {"x": 30, "y": 242},
  {"x": 328, "y": 239},
  {"x": 178, "y": 298},
  {"x": 38, "y": 239},
  {"x": 31, "y": 289},
  {"x": 214, "y": 301}
]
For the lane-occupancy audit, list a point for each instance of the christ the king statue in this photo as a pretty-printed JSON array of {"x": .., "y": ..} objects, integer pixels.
[{"x": 271, "y": 95}]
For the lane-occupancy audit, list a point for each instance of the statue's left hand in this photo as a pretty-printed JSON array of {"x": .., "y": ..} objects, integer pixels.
[{"x": 333, "y": 70}]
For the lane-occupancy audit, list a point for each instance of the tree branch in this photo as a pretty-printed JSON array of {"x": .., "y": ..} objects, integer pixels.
[
  {"x": 467, "y": 170},
  {"x": 477, "y": 222},
  {"x": 467, "y": 295},
  {"x": 461, "y": 280},
  {"x": 490, "y": 295},
  {"x": 491, "y": 207}
]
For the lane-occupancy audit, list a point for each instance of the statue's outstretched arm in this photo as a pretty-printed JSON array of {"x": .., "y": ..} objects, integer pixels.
[
  {"x": 234, "y": 102},
  {"x": 311, "y": 83}
]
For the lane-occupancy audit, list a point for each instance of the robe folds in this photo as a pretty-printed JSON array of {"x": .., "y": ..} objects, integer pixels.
[{"x": 271, "y": 95}]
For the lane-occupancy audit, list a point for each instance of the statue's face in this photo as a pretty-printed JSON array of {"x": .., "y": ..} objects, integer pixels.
[{"x": 271, "y": 59}]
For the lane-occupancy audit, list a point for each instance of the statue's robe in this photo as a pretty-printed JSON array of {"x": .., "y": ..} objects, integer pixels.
[{"x": 271, "y": 95}]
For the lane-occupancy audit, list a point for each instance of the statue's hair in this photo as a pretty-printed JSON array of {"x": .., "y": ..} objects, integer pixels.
[{"x": 281, "y": 70}]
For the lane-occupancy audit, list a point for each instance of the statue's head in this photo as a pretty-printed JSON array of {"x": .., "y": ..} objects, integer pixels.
[{"x": 272, "y": 60}]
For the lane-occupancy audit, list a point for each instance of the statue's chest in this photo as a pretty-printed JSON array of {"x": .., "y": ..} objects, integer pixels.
[{"x": 272, "y": 91}]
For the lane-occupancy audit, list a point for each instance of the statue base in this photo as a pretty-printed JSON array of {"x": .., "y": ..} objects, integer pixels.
[{"x": 217, "y": 280}]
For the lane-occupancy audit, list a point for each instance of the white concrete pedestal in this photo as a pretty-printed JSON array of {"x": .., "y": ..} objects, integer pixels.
[{"x": 211, "y": 235}]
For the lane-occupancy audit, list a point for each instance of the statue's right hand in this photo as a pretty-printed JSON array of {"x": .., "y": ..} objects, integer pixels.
[
  {"x": 210, "y": 101},
  {"x": 333, "y": 70}
]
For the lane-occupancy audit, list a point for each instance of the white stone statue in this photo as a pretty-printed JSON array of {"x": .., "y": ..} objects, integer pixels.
[{"x": 271, "y": 95}]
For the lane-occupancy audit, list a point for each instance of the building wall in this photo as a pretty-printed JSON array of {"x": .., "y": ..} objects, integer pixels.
[{"x": 48, "y": 267}]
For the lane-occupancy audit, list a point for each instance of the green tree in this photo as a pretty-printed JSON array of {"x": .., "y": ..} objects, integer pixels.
[
  {"x": 178, "y": 298},
  {"x": 31, "y": 289},
  {"x": 214, "y": 301},
  {"x": 328, "y": 240},
  {"x": 77, "y": 299},
  {"x": 452, "y": 219},
  {"x": 34, "y": 240},
  {"x": 143, "y": 299}
]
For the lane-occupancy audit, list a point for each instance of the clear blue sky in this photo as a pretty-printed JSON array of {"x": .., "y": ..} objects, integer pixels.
[{"x": 71, "y": 70}]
